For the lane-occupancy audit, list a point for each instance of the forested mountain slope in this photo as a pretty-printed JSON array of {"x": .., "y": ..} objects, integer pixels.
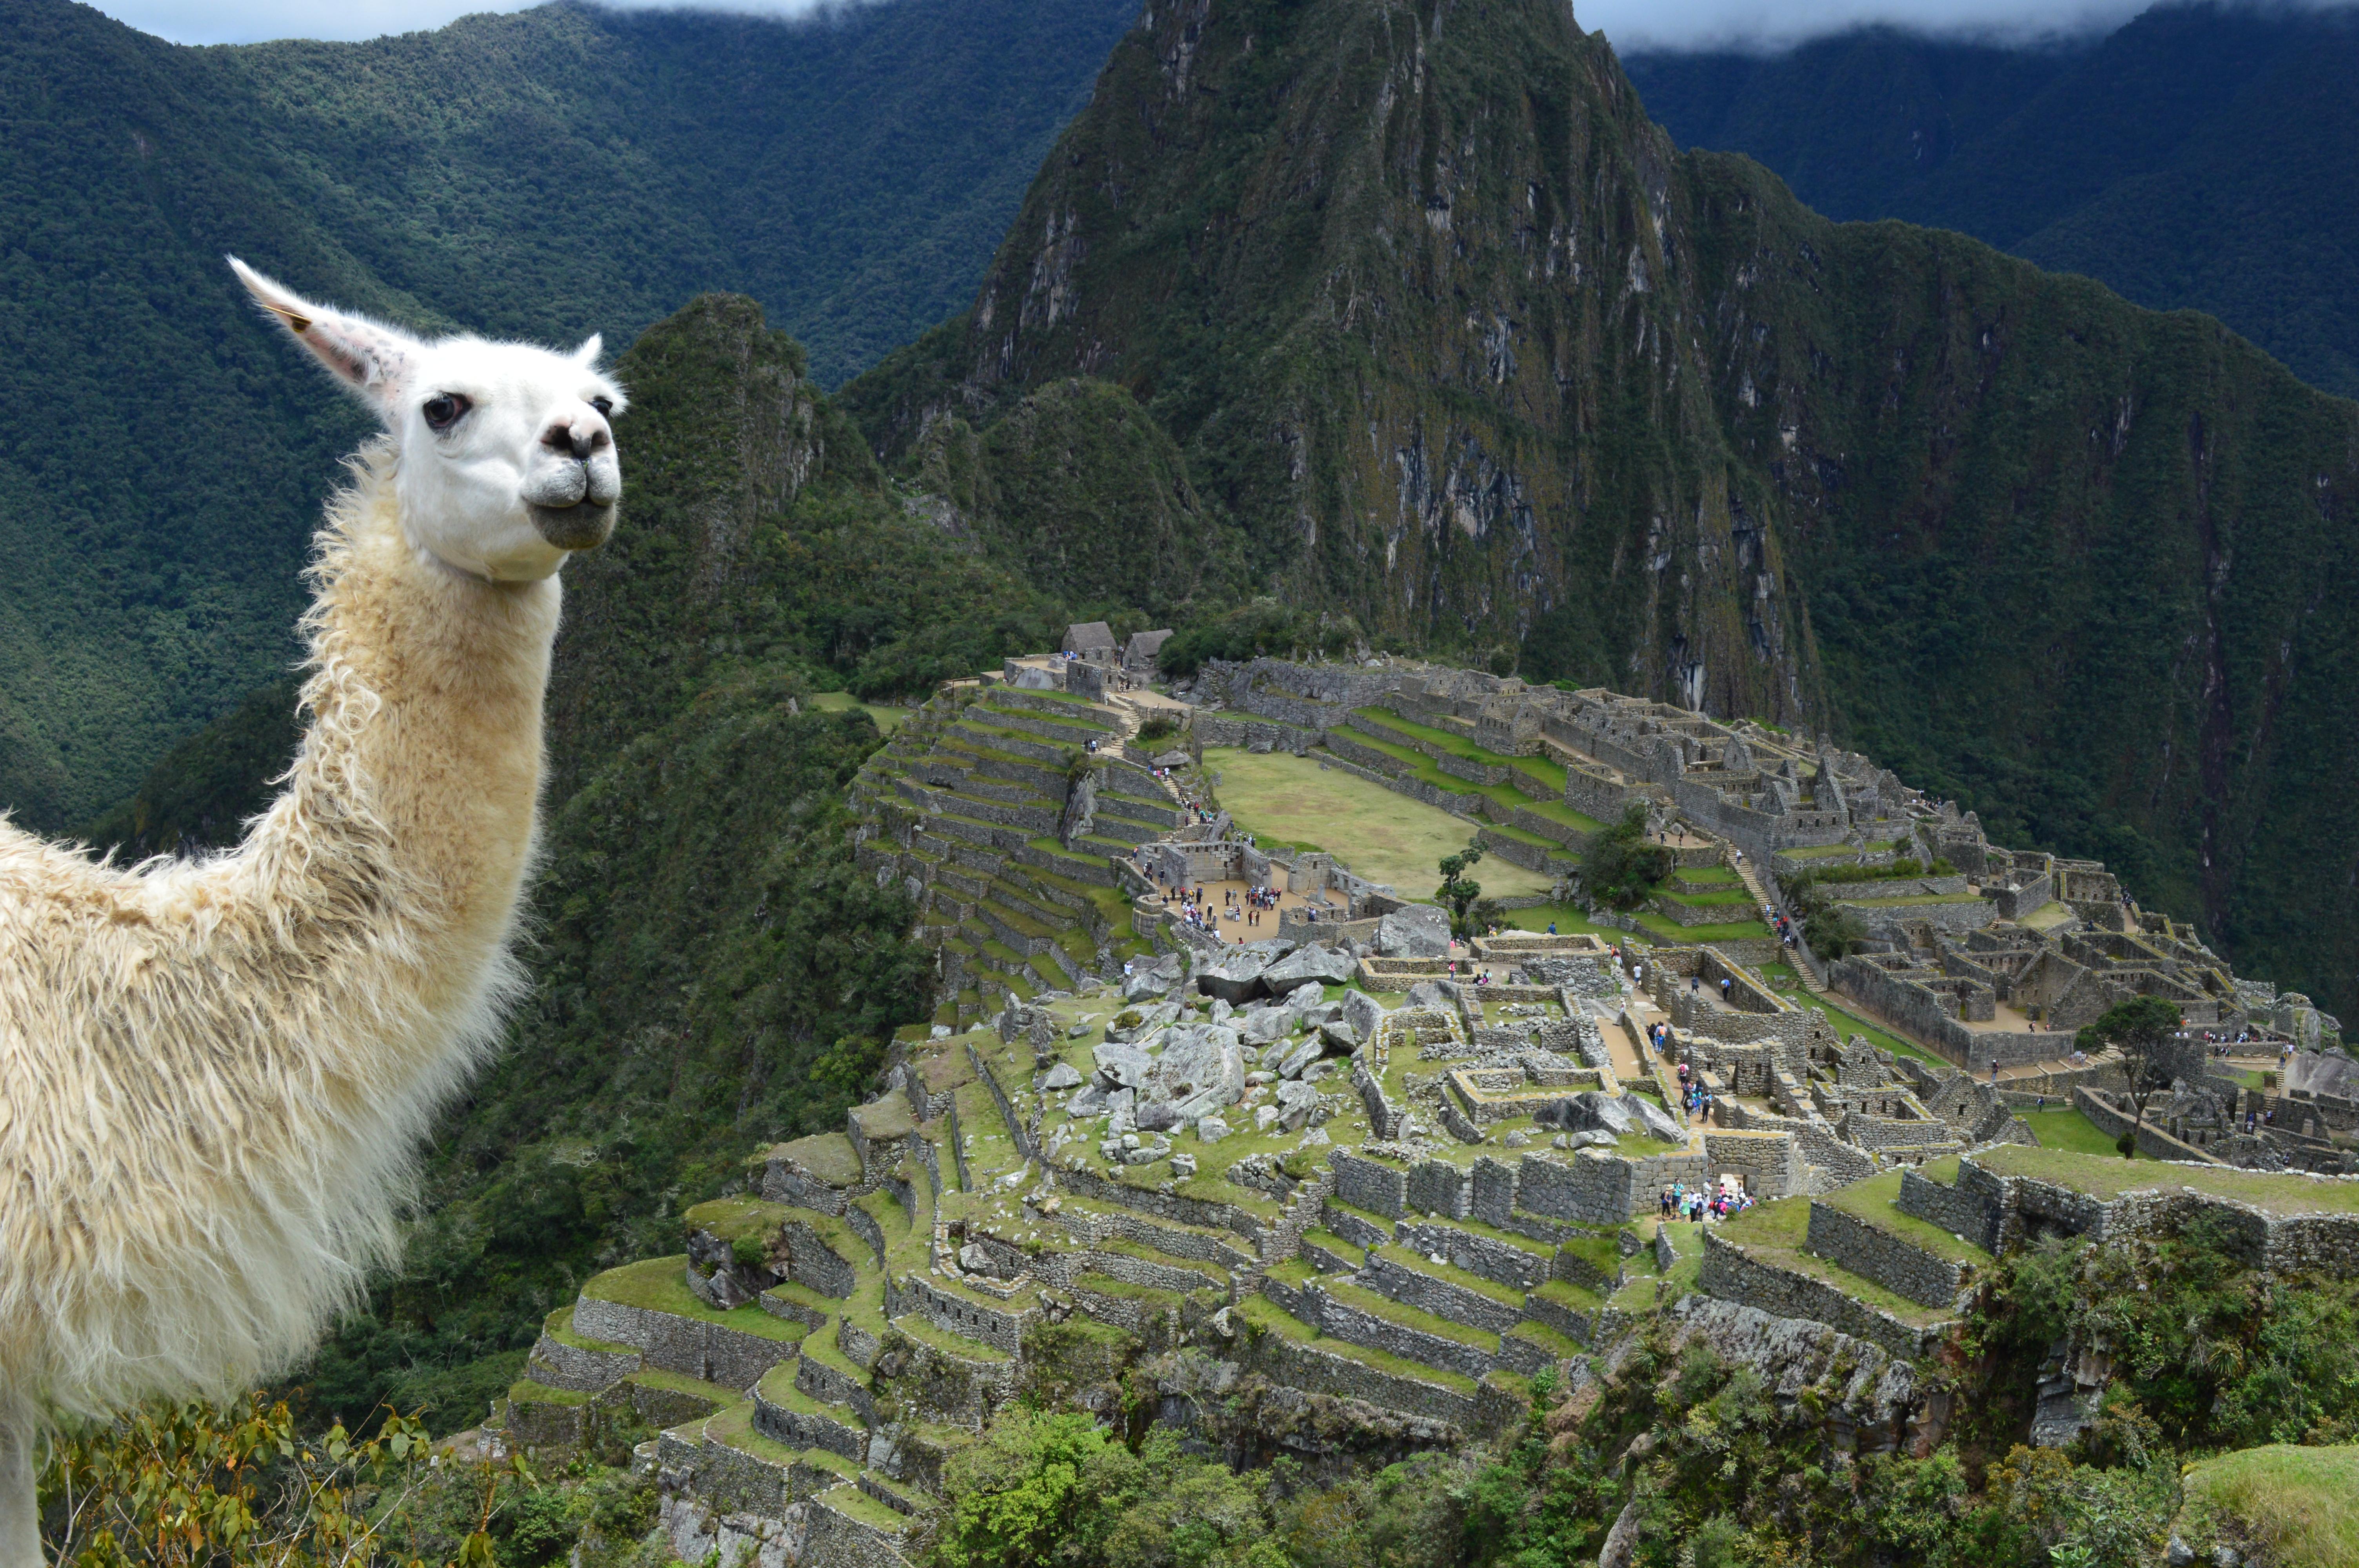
[
  {"x": 2203, "y": 157},
  {"x": 1455, "y": 341},
  {"x": 549, "y": 174}
]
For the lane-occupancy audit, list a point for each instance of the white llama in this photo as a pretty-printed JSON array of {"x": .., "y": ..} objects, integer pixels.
[{"x": 215, "y": 1072}]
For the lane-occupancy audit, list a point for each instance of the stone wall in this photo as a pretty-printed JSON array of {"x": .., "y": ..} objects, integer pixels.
[
  {"x": 1431, "y": 1292},
  {"x": 1475, "y": 1253},
  {"x": 1318, "y": 1371},
  {"x": 1961, "y": 1212},
  {"x": 987, "y": 1325},
  {"x": 1590, "y": 1187},
  {"x": 1355, "y": 1325},
  {"x": 673, "y": 1344},
  {"x": 2152, "y": 1140},
  {"x": 1377, "y": 1186},
  {"x": 1850, "y": 1242},
  {"x": 1733, "y": 1274}
]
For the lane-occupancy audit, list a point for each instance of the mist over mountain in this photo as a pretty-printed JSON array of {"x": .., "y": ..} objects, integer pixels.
[
  {"x": 2199, "y": 157},
  {"x": 548, "y": 175}
]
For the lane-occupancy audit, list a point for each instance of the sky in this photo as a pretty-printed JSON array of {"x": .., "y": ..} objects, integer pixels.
[{"x": 1630, "y": 23}]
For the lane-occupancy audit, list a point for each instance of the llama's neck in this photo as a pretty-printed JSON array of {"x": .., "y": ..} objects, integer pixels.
[{"x": 411, "y": 809}]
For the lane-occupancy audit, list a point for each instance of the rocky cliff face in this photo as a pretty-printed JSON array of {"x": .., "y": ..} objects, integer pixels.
[{"x": 1456, "y": 340}]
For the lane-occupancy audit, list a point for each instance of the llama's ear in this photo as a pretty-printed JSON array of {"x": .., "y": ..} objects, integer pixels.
[
  {"x": 372, "y": 361},
  {"x": 587, "y": 354}
]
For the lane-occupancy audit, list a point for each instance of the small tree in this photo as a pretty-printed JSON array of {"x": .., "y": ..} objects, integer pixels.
[
  {"x": 1459, "y": 891},
  {"x": 1619, "y": 867},
  {"x": 2145, "y": 1030}
]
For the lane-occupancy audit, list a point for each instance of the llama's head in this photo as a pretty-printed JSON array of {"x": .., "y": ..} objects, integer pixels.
[{"x": 507, "y": 461}]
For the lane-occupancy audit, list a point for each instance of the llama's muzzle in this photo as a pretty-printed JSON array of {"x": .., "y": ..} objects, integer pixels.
[{"x": 582, "y": 527}]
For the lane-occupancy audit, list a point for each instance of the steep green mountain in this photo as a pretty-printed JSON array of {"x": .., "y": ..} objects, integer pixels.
[
  {"x": 2201, "y": 156},
  {"x": 550, "y": 174},
  {"x": 1454, "y": 341}
]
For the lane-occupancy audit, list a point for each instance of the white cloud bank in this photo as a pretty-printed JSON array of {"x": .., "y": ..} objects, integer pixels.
[
  {"x": 252, "y": 21},
  {"x": 1630, "y": 23}
]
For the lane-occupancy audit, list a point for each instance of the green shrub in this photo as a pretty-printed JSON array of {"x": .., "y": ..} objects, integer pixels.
[{"x": 1620, "y": 868}]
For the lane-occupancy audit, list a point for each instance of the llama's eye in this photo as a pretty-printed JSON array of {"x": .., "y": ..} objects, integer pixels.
[
  {"x": 442, "y": 410},
  {"x": 604, "y": 405}
]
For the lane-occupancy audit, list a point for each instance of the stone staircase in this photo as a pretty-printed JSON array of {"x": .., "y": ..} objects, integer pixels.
[{"x": 971, "y": 806}]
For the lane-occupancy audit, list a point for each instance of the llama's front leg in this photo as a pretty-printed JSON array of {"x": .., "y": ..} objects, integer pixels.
[{"x": 20, "y": 1507}]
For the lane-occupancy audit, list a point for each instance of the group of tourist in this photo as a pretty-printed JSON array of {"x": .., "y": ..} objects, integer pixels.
[
  {"x": 1473, "y": 977},
  {"x": 1691, "y": 1093},
  {"x": 1680, "y": 1201}
]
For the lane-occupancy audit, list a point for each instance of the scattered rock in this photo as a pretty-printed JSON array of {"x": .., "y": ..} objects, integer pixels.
[
  {"x": 1121, "y": 1066},
  {"x": 1414, "y": 931},
  {"x": 1425, "y": 993},
  {"x": 1295, "y": 1101},
  {"x": 1311, "y": 966},
  {"x": 1211, "y": 1129},
  {"x": 1259, "y": 1076},
  {"x": 1360, "y": 1012},
  {"x": 1265, "y": 1117},
  {"x": 1064, "y": 1076},
  {"x": 1236, "y": 978},
  {"x": 1517, "y": 1140},
  {"x": 1183, "y": 1164}
]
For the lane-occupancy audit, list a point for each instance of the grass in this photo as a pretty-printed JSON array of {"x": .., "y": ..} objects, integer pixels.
[
  {"x": 1567, "y": 918},
  {"x": 853, "y": 1503},
  {"x": 2110, "y": 1176},
  {"x": 659, "y": 1284},
  {"x": 1773, "y": 1232},
  {"x": 2068, "y": 1129},
  {"x": 1261, "y": 1313},
  {"x": 1850, "y": 1023},
  {"x": 2303, "y": 1502},
  {"x": 1678, "y": 936},
  {"x": 1548, "y": 773},
  {"x": 887, "y": 719},
  {"x": 1871, "y": 1201},
  {"x": 1374, "y": 832}
]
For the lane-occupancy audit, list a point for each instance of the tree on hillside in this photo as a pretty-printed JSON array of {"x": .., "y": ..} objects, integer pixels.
[
  {"x": 1459, "y": 891},
  {"x": 1620, "y": 868},
  {"x": 2145, "y": 1030}
]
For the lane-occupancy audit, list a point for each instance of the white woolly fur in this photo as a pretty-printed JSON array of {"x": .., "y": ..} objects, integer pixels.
[{"x": 214, "y": 1074}]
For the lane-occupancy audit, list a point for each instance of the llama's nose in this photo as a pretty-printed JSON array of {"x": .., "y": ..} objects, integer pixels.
[{"x": 576, "y": 439}]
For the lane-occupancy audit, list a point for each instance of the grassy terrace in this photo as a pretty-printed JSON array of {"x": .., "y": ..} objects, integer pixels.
[
  {"x": 2303, "y": 1502},
  {"x": 1670, "y": 932},
  {"x": 660, "y": 1284},
  {"x": 1267, "y": 1316},
  {"x": 1774, "y": 1233},
  {"x": 1848, "y": 1023},
  {"x": 559, "y": 1325},
  {"x": 853, "y": 1503},
  {"x": 887, "y": 719},
  {"x": 1417, "y": 765},
  {"x": 1871, "y": 1201},
  {"x": 1709, "y": 897},
  {"x": 2068, "y": 1129},
  {"x": 2109, "y": 1176},
  {"x": 1506, "y": 1295},
  {"x": 1375, "y": 832},
  {"x": 1547, "y": 772}
]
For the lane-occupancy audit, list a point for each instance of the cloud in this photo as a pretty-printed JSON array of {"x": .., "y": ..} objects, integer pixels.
[
  {"x": 1770, "y": 25},
  {"x": 252, "y": 21}
]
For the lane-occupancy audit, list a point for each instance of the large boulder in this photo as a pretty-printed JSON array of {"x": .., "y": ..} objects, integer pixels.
[
  {"x": 1302, "y": 1056},
  {"x": 1236, "y": 978},
  {"x": 1265, "y": 1024},
  {"x": 1157, "y": 1114},
  {"x": 1135, "y": 1023},
  {"x": 1425, "y": 993},
  {"x": 1312, "y": 967},
  {"x": 1064, "y": 1076},
  {"x": 1317, "y": 1013},
  {"x": 1414, "y": 931},
  {"x": 1203, "y": 1070},
  {"x": 1593, "y": 1111},
  {"x": 1361, "y": 1013},
  {"x": 1295, "y": 1101},
  {"x": 1121, "y": 1066}
]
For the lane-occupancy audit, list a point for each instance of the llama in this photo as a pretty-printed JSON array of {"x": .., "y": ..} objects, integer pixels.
[{"x": 215, "y": 1072}]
